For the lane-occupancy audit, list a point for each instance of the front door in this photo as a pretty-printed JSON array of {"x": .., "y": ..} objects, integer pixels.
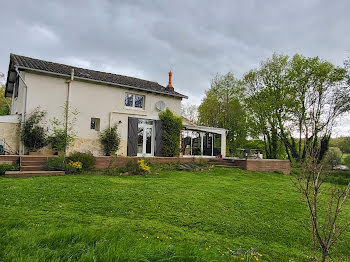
[{"x": 145, "y": 138}]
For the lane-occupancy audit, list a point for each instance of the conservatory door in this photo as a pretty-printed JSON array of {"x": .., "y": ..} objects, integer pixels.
[{"x": 145, "y": 138}]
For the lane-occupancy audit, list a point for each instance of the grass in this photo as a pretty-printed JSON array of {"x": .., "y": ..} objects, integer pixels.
[{"x": 172, "y": 216}]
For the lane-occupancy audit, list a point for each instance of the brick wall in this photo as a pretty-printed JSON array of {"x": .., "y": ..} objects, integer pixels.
[
  {"x": 8, "y": 159},
  {"x": 267, "y": 165},
  {"x": 112, "y": 162}
]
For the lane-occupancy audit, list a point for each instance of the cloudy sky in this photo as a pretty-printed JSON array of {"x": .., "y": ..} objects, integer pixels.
[{"x": 195, "y": 39}]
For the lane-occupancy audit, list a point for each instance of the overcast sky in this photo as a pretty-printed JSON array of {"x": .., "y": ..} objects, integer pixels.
[{"x": 195, "y": 39}]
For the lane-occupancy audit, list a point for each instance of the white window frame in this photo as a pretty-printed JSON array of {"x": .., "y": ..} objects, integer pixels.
[{"x": 133, "y": 101}]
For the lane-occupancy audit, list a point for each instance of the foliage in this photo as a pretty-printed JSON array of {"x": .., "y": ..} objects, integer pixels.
[
  {"x": 180, "y": 214},
  {"x": 347, "y": 161},
  {"x": 223, "y": 107},
  {"x": 8, "y": 167},
  {"x": 341, "y": 177},
  {"x": 33, "y": 132},
  {"x": 87, "y": 159},
  {"x": 172, "y": 126},
  {"x": 63, "y": 133},
  {"x": 333, "y": 156},
  {"x": 190, "y": 112},
  {"x": 143, "y": 166},
  {"x": 342, "y": 142},
  {"x": 56, "y": 163},
  {"x": 326, "y": 226},
  {"x": 59, "y": 163},
  {"x": 110, "y": 140},
  {"x": 74, "y": 167},
  {"x": 297, "y": 95},
  {"x": 4, "y": 109},
  {"x": 132, "y": 167}
]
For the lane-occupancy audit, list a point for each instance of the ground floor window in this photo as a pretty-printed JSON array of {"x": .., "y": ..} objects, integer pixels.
[{"x": 198, "y": 143}]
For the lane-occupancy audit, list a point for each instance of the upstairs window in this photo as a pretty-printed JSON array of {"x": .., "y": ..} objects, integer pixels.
[
  {"x": 132, "y": 100},
  {"x": 95, "y": 124}
]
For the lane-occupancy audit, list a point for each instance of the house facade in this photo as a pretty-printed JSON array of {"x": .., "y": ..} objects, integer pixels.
[{"x": 102, "y": 100}]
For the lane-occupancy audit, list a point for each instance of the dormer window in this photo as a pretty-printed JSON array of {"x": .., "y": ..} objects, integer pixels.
[{"x": 133, "y": 100}]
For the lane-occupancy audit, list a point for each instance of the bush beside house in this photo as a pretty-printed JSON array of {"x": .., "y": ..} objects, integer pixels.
[
  {"x": 33, "y": 133},
  {"x": 172, "y": 126}
]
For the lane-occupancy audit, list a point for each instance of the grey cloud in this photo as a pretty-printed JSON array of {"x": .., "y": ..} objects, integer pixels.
[{"x": 196, "y": 39}]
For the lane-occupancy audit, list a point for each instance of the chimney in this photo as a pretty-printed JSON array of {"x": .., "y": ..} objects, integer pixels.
[{"x": 170, "y": 85}]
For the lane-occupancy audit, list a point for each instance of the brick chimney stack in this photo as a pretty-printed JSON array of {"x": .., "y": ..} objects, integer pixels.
[{"x": 170, "y": 85}]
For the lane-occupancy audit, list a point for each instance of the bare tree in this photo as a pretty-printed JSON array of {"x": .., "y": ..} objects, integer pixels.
[
  {"x": 325, "y": 226},
  {"x": 190, "y": 112}
]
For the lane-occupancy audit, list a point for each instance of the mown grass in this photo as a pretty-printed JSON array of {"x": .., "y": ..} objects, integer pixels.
[{"x": 172, "y": 216}]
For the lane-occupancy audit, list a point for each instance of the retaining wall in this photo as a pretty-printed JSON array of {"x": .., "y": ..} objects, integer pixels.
[
  {"x": 267, "y": 165},
  {"x": 112, "y": 162}
]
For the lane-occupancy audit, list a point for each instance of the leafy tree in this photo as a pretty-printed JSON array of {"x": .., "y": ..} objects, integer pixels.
[
  {"x": 190, "y": 112},
  {"x": 347, "y": 161},
  {"x": 343, "y": 143},
  {"x": 223, "y": 107},
  {"x": 172, "y": 126},
  {"x": 4, "y": 108},
  {"x": 333, "y": 156},
  {"x": 298, "y": 95},
  {"x": 268, "y": 101},
  {"x": 110, "y": 140},
  {"x": 34, "y": 132}
]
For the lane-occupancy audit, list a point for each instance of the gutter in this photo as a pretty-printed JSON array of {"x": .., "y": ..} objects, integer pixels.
[
  {"x": 25, "y": 101},
  {"x": 102, "y": 82}
]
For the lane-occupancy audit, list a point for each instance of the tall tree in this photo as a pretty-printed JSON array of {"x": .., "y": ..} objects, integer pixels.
[
  {"x": 190, "y": 112},
  {"x": 298, "y": 95},
  {"x": 4, "y": 102},
  {"x": 223, "y": 107}
]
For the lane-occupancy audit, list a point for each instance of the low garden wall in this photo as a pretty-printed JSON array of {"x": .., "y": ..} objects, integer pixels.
[
  {"x": 9, "y": 159},
  {"x": 112, "y": 162},
  {"x": 267, "y": 165}
]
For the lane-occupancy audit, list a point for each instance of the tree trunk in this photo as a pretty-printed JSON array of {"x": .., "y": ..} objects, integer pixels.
[{"x": 324, "y": 255}]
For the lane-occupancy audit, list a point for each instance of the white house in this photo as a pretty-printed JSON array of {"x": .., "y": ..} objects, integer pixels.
[{"x": 102, "y": 100}]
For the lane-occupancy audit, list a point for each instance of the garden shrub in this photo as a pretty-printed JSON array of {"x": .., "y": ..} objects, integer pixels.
[
  {"x": 63, "y": 134},
  {"x": 73, "y": 167},
  {"x": 339, "y": 177},
  {"x": 347, "y": 161},
  {"x": 33, "y": 132},
  {"x": 86, "y": 159},
  {"x": 333, "y": 156},
  {"x": 8, "y": 167},
  {"x": 58, "y": 140},
  {"x": 172, "y": 126},
  {"x": 110, "y": 140},
  {"x": 56, "y": 163},
  {"x": 132, "y": 167},
  {"x": 140, "y": 167},
  {"x": 60, "y": 163}
]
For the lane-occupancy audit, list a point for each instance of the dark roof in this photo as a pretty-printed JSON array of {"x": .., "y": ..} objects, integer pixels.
[{"x": 28, "y": 63}]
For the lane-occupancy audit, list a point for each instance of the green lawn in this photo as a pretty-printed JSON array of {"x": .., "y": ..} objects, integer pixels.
[{"x": 172, "y": 216}]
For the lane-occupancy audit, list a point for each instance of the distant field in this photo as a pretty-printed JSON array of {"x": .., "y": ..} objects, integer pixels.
[
  {"x": 172, "y": 216},
  {"x": 343, "y": 157}
]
